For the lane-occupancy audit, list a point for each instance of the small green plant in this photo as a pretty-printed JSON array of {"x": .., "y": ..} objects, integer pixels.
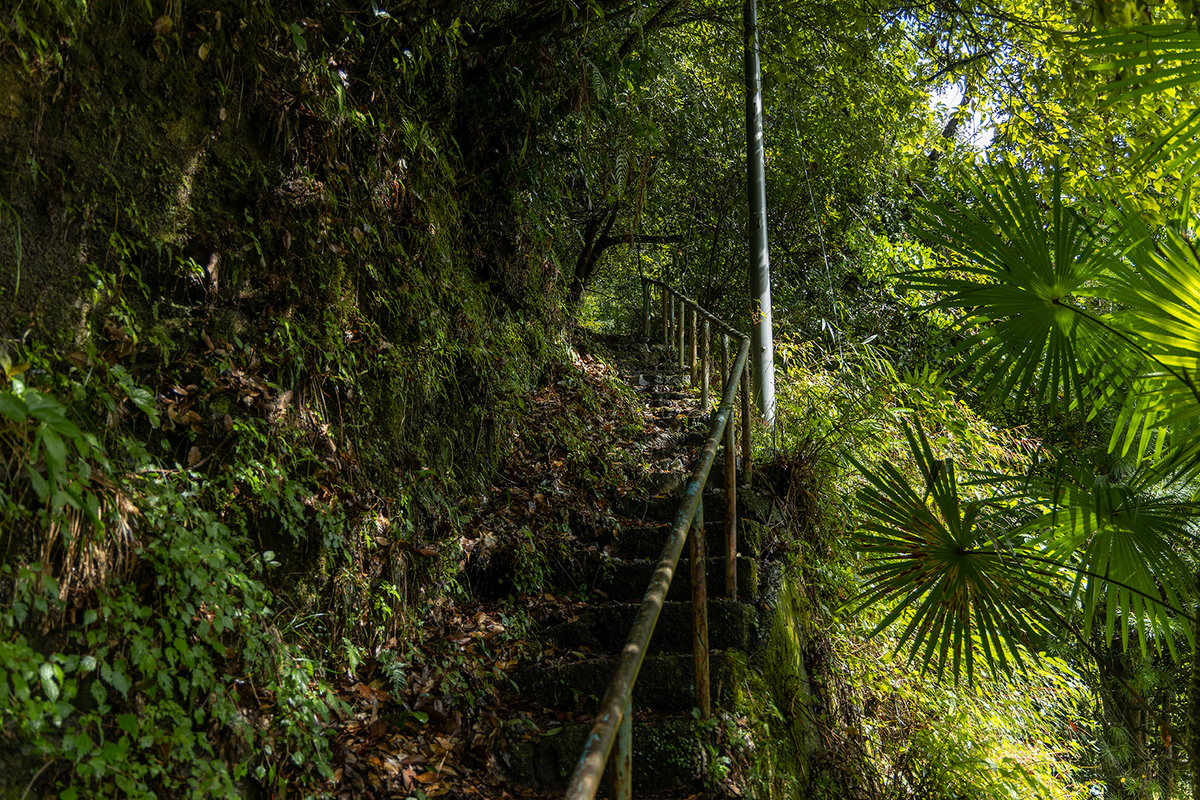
[{"x": 532, "y": 567}]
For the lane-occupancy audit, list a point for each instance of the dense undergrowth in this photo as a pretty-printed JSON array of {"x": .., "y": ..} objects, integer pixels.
[
  {"x": 273, "y": 284},
  {"x": 830, "y": 708},
  {"x": 283, "y": 289}
]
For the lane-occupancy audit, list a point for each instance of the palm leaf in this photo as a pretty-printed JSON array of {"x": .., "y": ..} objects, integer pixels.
[
  {"x": 1159, "y": 57},
  {"x": 1024, "y": 287},
  {"x": 932, "y": 559},
  {"x": 1162, "y": 315},
  {"x": 967, "y": 581},
  {"x": 1123, "y": 543}
]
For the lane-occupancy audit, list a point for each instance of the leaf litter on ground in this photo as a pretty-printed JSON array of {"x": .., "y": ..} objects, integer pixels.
[{"x": 434, "y": 722}]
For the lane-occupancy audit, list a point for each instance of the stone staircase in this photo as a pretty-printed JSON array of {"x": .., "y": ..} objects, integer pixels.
[{"x": 669, "y": 755}]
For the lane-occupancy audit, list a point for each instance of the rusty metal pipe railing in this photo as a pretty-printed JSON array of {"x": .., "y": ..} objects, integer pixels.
[{"x": 613, "y": 723}]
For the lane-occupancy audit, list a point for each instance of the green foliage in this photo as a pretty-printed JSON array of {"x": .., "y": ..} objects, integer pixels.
[
  {"x": 1024, "y": 286},
  {"x": 934, "y": 561},
  {"x": 1156, "y": 66},
  {"x": 160, "y": 681}
]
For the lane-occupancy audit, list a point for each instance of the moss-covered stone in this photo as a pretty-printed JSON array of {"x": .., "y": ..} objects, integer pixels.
[
  {"x": 603, "y": 629},
  {"x": 665, "y": 682},
  {"x": 772, "y": 689},
  {"x": 627, "y": 580},
  {"x": 667, "y": 753}
]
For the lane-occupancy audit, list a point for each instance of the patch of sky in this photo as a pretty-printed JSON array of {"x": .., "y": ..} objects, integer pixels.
[{"x": 973, "y": 131}]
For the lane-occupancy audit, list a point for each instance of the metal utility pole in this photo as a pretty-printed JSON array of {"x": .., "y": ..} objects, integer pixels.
[{"x": 756, "y": 189}]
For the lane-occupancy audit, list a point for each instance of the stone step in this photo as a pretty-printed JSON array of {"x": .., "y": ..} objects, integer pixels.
[
  {"x": 603, "y": 628},
  {"x": 687, "y": 416},
  {"x": 751, "y": 504},
  {"x": 647, "y": 542},
  {"x": 665, "y": 683},
  {"x": 626, "y": 581},
  {"x": 659, "y": 508},
  {"x": 660, "y": 483},
  {"x": 623, "y": 573},
  {"x": 667, "y": 754}
]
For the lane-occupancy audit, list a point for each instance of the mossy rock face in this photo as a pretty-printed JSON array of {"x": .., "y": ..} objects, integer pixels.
[
  {"x": 774, "y": 687},
  {"x": 753, "y": 534},
  {"x": 175, "y": 186},
  {"x": 118, "y": 166}
]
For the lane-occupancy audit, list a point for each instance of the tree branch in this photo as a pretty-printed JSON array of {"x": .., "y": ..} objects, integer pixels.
[
  {"x": 654, "y": 23},
  {"x": 962, "y": 62},
  {"x": 605, "y": 242}
]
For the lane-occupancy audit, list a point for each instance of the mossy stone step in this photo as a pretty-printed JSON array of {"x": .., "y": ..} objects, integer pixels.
[
  {"x": 751, "y": 504},
  {"x": 626, "y": 581},
  {"x": 623, "y": 576},
  {"x": 602, "y": 629},
  {"x": 665, "y": 483},
  {"x": 665, "y": 683},
  {"x": 647, "y": 543},
  {"x": 667, "y": 754},
  {"x": 662, "y": 506}
]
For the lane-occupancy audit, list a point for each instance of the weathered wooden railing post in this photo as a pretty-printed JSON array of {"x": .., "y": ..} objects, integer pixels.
[
  {"x": 692, "y": 348},
  {"x": 724, "y": 364},
  {"x": 666, "y": 322},
  {"x": 620, "y": 768},
  {"x": 700, "y": 613},
  {"x": 746, "y": 472},
  {"x": 674, "y": 320},
  {"x": 704, "y": 365},
  {"x": 731, "y": 564},
  {"x": 645, "y": 311},
  {"x": 671, "y": 332},
  {"x": 682, "y": 331}
]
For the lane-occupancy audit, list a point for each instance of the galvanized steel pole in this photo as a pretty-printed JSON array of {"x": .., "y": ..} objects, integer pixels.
[{"x": 756, "y": 190}]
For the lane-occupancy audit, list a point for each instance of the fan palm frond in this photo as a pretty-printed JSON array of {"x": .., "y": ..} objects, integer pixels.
[
  {"x": 1122, "y": 542},
  {"x": 1158, "y": 58},
  {"x": 1161, "y": 312},
  {"x": 966, "y": 577},
  {"x": 933, "y": 558},
  {"x": 1023, "y": 287}
]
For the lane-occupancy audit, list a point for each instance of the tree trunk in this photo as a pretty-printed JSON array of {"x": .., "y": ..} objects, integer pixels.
[{"x": 597, "y": 240}]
